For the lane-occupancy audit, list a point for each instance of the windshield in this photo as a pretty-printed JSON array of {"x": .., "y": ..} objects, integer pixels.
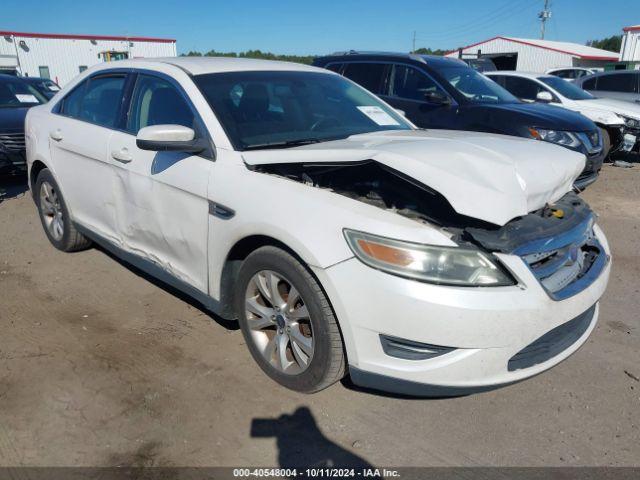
[
  {"x": 279, "y": 109},
  {"x": 476, "y": 87},
  {"x": 566, "y": 89},
  {"x": 16, "y": 93}
]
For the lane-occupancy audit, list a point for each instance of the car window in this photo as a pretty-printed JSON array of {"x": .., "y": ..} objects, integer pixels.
[
  {"x": 334, "y": 67},
  {"x": 566, "y": 89},
  {"x": 571, "y": 74},
  {"x": 589, "y": 84},
  {"x": 369, "y": 75},
  {"x": 524, "y": 88},
  {"x": 155, "y": 101},
  {"x": 96, "y": 101},
  {"x": 263, "y": 109},
  {"x": 408, "y": 82},
  {"x": 624, "y": 82},
  {"x": 15, "y": 93}
]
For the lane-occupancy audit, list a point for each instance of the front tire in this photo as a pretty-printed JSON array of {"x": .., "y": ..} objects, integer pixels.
[
  {"x": 54, "y": 215},
  {"x": 287, "y": 322}
]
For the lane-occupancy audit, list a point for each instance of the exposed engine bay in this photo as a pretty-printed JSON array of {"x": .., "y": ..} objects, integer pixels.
[{"x": 375, "y": 184}]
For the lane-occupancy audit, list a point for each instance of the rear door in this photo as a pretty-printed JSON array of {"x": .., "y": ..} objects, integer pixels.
[
  {"x": 407, "y": 89},
  {"x": 79, "y": 139},
  {"x": 160, "y": 198}
]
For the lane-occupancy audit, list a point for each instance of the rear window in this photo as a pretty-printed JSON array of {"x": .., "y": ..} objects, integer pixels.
[{"x": 368, "y": 75}]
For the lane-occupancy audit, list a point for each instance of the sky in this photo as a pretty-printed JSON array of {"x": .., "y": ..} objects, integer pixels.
[{"x": 320, "y": 27}]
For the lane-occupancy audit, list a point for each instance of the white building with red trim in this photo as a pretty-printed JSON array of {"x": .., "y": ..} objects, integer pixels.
[
  {"x": 61, "y": 57},
  {"x": 531, "y": 55},
  {"x": 630, "y": 50}
]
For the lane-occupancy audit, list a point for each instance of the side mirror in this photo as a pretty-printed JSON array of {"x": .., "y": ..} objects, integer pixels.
[
  {"x": 544, "y": 97},
  {"x": 169, "y": 138},
  {"x": 438, "y": 98}
]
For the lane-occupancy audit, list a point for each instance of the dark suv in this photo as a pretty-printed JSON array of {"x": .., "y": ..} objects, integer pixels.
[
  {"x": 441, "y": 92},
  {"x": 16, "y": 97}
]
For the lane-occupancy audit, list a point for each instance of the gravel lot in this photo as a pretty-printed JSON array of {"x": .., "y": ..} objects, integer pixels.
[{"x": 101, "y": 366}]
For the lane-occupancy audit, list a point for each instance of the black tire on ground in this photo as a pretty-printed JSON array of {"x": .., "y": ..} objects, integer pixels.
[
  {"x": 327, "y": 364},
  {"x": 71, "y": 240},
  {"x": 606, "y": 143}
]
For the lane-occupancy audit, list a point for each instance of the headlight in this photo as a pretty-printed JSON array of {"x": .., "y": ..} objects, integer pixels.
[
  {"x": 566, "y": 139},
  {"x": 631, "y": 122},
  {"x": 441, "y": 265}
]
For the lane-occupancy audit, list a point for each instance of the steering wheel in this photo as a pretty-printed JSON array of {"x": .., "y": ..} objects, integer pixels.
[{"x": 324, "y": 123}]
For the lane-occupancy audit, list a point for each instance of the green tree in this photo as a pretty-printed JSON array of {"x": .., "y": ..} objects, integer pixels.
[
  {"x": 612, "y": 43},
  {"x": 429, "y": 51}
]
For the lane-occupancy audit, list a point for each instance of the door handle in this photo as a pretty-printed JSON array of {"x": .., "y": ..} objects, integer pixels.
[
  {"x": 56, "y": 135},
  {"x": 122, "y": 155}
]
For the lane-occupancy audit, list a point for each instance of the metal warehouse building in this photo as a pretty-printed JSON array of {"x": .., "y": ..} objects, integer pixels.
[
  {"x": 531, "y": 55},
  {"x": 630, "y": 50},
  {"x": 61, "y": 57}
]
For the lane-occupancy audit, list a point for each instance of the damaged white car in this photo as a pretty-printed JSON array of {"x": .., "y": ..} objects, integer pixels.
[{"x": 342, "y": 238}]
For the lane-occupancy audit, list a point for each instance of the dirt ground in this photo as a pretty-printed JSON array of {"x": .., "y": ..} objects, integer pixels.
[{"x": 100, "y": 366}]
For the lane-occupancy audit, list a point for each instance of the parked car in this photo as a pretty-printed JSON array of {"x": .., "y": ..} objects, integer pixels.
[
  {"x": 340, "y": 236},
  {"x": 45, "y": 86},
  {"x": 16, "y": 97},
  {"x": 618, "y": 84},
  {"x": 441, "y": 92},
  {"x": 616, "y": 118},
  {"x": 570, "y": 73}
]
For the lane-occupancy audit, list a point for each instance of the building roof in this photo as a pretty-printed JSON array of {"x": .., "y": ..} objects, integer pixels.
[
  {"x": 575, "y": 49},
  {"x": 71, "y": 36},
  {"x": 632, "y": 28}
]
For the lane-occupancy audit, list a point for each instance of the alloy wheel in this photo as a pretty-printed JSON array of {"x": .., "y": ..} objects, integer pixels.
[
  {"x": 279, "y": 322},
  {"x": 51, "y": 210}
]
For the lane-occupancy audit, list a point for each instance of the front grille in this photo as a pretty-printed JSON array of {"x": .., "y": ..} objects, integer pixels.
[
  {"x": 567, "y": 264},
  {"x": 13, "y": 142},
  {"x": 552, "y": 343}
]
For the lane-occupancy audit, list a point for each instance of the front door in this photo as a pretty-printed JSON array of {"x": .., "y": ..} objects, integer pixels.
[{"x": 161, "y": 197}]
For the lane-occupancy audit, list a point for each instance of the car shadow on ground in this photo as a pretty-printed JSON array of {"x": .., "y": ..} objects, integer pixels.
[
  {"x": 301, "y": 443},
  {"x": 228, "y": 324},
  {"x": 12, "y": 186}
]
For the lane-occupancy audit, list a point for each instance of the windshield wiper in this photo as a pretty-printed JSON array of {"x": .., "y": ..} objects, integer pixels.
[{"x": 287, "y": 144}]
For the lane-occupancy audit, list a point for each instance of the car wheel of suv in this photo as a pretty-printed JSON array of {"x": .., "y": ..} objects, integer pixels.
[
  {"x": 54, "y": 215},
  {"x": 287, "y": 321}
]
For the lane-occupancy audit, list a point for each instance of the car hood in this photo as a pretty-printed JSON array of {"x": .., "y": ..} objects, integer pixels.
[
  {"x": 628, "y": 109},
  {"x": 494, "y": 178},
  {"x": 541, "y": 115},
  {"x": 12, "y": 119}
]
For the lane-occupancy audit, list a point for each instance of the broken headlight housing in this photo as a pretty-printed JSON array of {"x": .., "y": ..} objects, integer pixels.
[
  {"x": 631, "y": 122},
  {"x": 456, "y": 266},
  {"x": 560, "y": 137}
]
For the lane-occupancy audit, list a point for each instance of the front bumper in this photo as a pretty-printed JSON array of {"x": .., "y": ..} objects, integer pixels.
[
  {"x": 485, "y": 327},
  {"x": 12, "y": 161}
]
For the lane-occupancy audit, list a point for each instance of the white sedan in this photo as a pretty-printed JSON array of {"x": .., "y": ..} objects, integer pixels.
[
  {"x": 619, "y": 120},
  {"x": 342, "y": 238}
]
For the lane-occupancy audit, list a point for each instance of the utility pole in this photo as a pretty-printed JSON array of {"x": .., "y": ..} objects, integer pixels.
[
  {"x": 414, "y": 42},
  {"x": 544, "y": 15}
]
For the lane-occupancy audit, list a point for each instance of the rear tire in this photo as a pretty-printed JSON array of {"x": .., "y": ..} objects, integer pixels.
[
  {"x": 282, "y": 310},
  {"x": 54, "y": 215}
]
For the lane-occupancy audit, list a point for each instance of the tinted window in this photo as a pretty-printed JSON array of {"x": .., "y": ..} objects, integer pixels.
[
  {"x": 369, "y": 75},
  {"x": 408, "y": 82},
  {"x": 96, "y": 101},
  {"x": 625, "y": 82},
  {"x": 565, "y": 74},
  {"x": 334, "y": 67},
  {"x": 566, "y": 89},
  {"x": 589, "y": 84},
  {"x": 157, "y": 102},
  {"x": 523, "y": 88},
  {"x": 280, "y": 109}
]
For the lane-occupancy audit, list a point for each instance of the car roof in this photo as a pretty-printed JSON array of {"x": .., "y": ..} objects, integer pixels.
[
  {"x": 433, "y": 60},
  {"x": 203, "y": 65},
  {"x": 514, "y": 73}
]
